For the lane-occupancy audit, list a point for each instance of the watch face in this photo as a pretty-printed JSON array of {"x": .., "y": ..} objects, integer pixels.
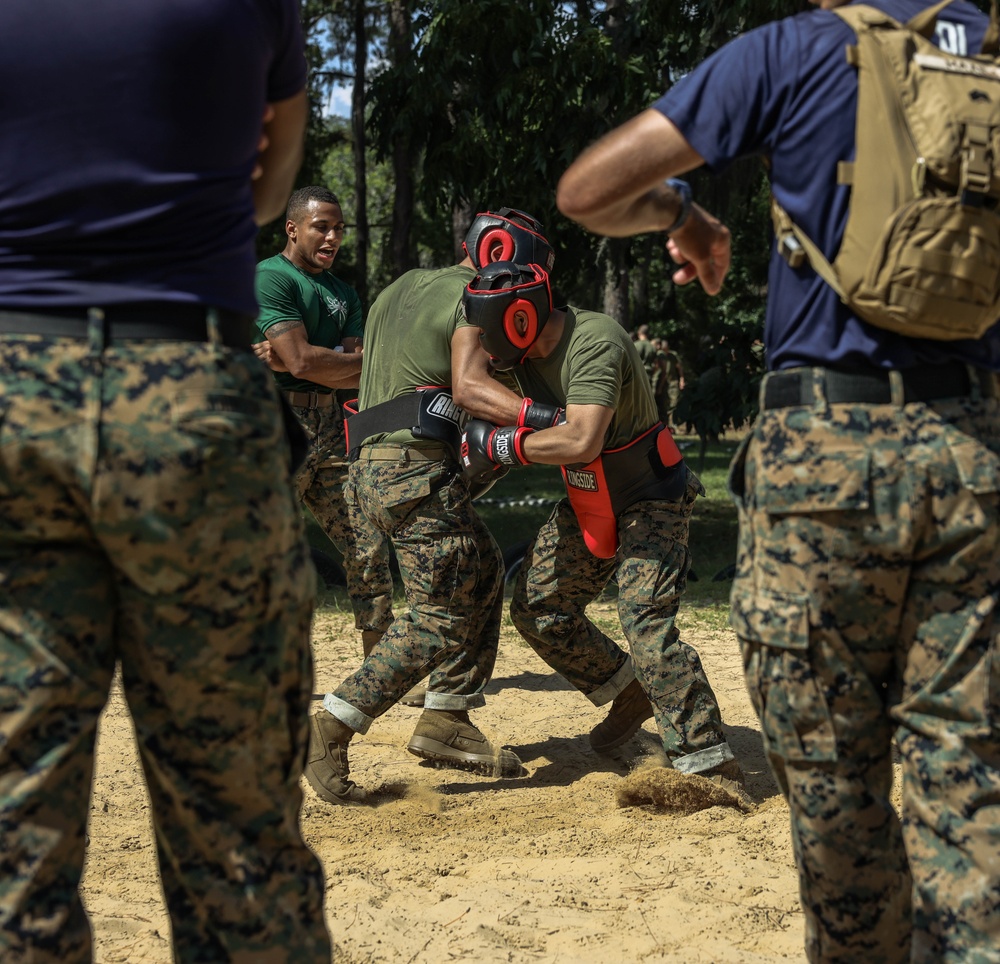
[{"x": 683, "y": 190}]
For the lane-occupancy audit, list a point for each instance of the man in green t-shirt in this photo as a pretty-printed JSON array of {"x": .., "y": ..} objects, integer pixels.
[
  {"x": 410, "y": 486},
  {"x": 646, "y": 350},
  {"x": 674, "y": 378},
  {"x": 630, "y": 498},
  {"x": 311, "y": 330}
]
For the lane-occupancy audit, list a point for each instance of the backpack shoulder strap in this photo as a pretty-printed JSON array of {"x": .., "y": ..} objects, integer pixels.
[
  {"x": 860, "y": 17},
  {"x": 991, "y": 42},
  {"x": 923, "y": 23},
  {"x": 796, "y": 247}
]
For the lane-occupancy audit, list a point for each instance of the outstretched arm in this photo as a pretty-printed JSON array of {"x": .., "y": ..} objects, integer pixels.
[{"x": 617, "y": 188}]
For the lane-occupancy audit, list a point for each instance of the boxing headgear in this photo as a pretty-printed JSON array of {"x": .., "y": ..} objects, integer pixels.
[
  {"x": 492, "y": 300},
  {"x": 519, "y": 235}
]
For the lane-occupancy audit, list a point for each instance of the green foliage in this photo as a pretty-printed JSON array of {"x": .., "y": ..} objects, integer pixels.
[
  {"x": 493, "y": 100},
  {"x": 337, "y": 173}
]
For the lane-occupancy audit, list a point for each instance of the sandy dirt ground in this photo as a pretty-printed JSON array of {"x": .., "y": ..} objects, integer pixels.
[{"x": 452, "y": 866}]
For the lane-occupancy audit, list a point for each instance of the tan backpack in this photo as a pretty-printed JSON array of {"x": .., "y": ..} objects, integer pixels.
[{"x": 921, "y": 252}]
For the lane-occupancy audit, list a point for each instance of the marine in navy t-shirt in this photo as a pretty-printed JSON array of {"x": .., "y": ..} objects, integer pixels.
[{"x": 786, "y": 91}]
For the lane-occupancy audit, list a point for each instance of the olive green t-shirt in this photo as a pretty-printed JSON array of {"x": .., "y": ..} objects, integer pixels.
[
  {"x": 408, "y": 337},
  {"x": 595, "y": 363},
  {"x": 329, "y": 308}
]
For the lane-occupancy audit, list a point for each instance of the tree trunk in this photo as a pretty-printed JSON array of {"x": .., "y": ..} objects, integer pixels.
[
  {"x": 360, "y": 144},
  {"x": 616, "y": 282},
  {"x": 639, "y": 281},
  {"x": 461, "y": 221},
  {"x": 403, "y": 163}
]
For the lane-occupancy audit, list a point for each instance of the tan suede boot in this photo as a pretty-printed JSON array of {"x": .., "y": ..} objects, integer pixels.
[
  {"x": 327, "y": 769},
  {"x": 450, "y": 738},
  {"x": 730, "y": 776},
  {"x": 628, "y": 712}
]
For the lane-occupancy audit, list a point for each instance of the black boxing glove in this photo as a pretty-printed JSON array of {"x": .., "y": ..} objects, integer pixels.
[
  {"x": 539, "y": 415},
  {"x": 476, "y": 463},
  {"x": 485, "y": 446}
]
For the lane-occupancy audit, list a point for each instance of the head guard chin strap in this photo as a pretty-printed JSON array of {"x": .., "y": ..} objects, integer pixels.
[
  {"x": 518, "y": 234},
  {"x": 492, "y": 301}
]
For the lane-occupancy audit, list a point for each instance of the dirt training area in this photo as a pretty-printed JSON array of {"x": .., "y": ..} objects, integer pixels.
[{"x": 452, "y": 866}]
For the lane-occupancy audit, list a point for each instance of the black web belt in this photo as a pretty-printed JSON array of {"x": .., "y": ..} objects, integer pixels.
[
  {"x": 382, "y": 419},
  {"x": 429, "y": 414},
  {"x": 159, "y": 320},
  {"x": 924, "y": 383}
]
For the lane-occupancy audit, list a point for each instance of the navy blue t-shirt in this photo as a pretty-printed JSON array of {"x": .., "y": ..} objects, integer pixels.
[
  {"x": 786, "y": 91},
  {"x": 124, "y": 181}
]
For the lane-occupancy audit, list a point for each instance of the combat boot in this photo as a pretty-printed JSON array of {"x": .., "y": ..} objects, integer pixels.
[
  {"x": 729, "y": 776},
  {"x": 450, "y": 738},
  {"x": 326, "y": 768},
  {"x": 628, "y": 712}
]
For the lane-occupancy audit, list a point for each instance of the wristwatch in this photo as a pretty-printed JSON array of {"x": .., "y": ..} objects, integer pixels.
[{"x": 683, "y": 191}]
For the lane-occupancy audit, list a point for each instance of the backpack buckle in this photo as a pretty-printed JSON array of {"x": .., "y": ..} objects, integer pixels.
[
  {"x": 790, "y": 249},
  {"x": 977, "y": 165}
]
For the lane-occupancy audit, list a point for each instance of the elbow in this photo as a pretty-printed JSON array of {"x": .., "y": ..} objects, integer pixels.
[
  {"x": 575, "y": 200},
  {"x": 462, "y": 397},
  {"x": 569, "y": 199},
  {"x": 299, "y": 368},
  {"x": 589, "y": 453}
]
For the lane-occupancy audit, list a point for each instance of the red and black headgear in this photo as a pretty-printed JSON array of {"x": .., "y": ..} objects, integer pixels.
[
  {"x": 519, "y": 235},
  {"x": 492, "y": 300}
]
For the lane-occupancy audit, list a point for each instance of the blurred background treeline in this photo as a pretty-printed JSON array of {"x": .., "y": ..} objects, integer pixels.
[{"x": 423, "y": 113}]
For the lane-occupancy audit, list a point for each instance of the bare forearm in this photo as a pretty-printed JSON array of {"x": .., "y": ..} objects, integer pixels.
[
  {"x": 654, "y": 210},
  {"x": 327, "y": 367},
  {"x": 579, "y": 439},
  {"x": 488, "y": 399},
  {"x": 560, "y": 445},
  {"x": 616, "y": 187}
]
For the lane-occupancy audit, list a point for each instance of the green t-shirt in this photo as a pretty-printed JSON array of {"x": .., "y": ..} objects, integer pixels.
[
  {"x": 408, "y": 337},
  {"x": 329, "y": 308},
  {"x": 595, "y": 363}
]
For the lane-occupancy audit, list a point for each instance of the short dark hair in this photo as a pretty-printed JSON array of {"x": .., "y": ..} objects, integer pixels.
[{"x": 304, "y": 196}]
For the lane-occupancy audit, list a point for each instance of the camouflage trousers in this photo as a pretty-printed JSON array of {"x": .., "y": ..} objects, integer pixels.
[
  {"x": 452, "y": 573},
  {"x": 323, "y": 486},
  {"x": 147, "y": 519},
  {"x": 560, "y": 577},
  {"x": 866, "y": 607}
]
